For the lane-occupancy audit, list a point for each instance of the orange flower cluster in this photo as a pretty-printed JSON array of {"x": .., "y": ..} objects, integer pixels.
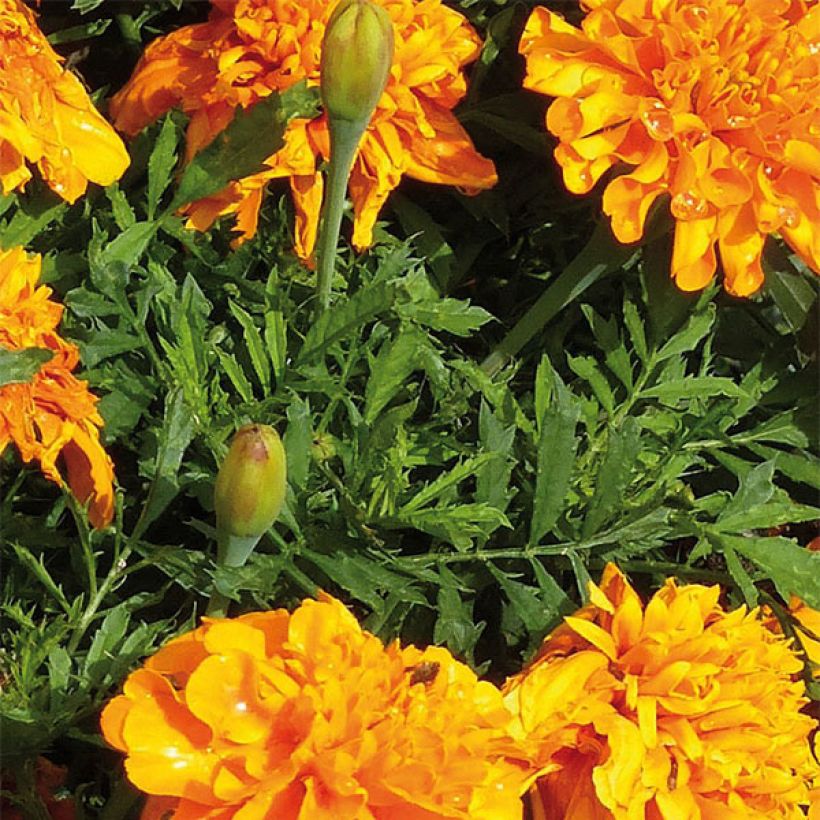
[
  {"x": 716, "y": 104},
  {"x": 54, "y": 414},
  {"x": 676, "y": 709},
  {"x": 250, "y": 48},
  {"x": 307, "y": 716},
  {"x": 46, "y": 116}
]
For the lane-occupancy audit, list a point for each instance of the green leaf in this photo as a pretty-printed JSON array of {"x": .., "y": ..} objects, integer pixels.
[
  {"x": 161, "y": 164},
  {"x": 20, "y": 366},
  {"x": 235, "y": 373},
  {"x": 493, "y": 479},
  {"x": 254, "y": 343},
  {"x": 451, "y": 315},
  {"x": 634, "y": 324},
  {"x": 446, "y": 481},
  {"x": 178, "y": 428},
  {"x": 609, "y": 340},
  {"x": 557, "y": 444},
  {"x": 587, "y": 368},
  {"x": 298, "y": 439},
  {"x": 793, "y": 569},
  {"x": 694, "y": 387},
  {"x": 389, "y": 372},
  {"x": 614, "y": 475},
  {"x": 455, "y": 626},
  {"x": 755, "y": 488},
  {"x": 525, "y": 603},
  {"x": 739, "y": 575},
  {"x": 344, "y": 317},
  {"x": 690, "y": 336},
  {"x": 792, "y": 294},
  {"x": 276, "y": 340},
  {"x": 241, "y": 149}
]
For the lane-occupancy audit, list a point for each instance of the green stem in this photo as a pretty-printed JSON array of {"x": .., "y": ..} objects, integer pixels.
[
  {"x": 600, "y": 256},
  {"x": 344, "y": 142},
  {"x": 231, "y": 551}
]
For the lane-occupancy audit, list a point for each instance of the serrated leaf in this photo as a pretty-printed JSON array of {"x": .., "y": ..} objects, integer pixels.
[
  {"x": 691, "y": 335},
  {"x": 20, "y": 366},
  {"x": 254, "y": 344},
  {"x": 614, "y": 475},
  {"x": 609, "y": 340},
  {"x": 235, "y": 373},
  {"x": 161, "y": 164},
  {"x": 792, "y": 294},
  {"x": 458, "y": 526},
  {"x": 493, "y": 479},
  {"x": 793, "y": 569},
  {"x": 446, "y": 481},
  {"x": 451, "y": 315},
  {"x": 428, "y": 238},
  {"x": 277, "y": 342},
  {"x": 634, "y": 324},
  {"x": 739, "y": 575},
  {"x": 755, "y": 489},
  {"x": 396, "y": 360},
  {"x": 344, "y": 317},
  {"x": 178, "y": 428},
  {"x": 525, "y": 603},
  {"x": 694, "y": 387},
  {"x": 455, "y": 627},
  {"x": 298, "y": 439},
  {"x": 557, "y": 444},
  {"x": 587, "y": 368},
  {"x": 241, "y": 149}
]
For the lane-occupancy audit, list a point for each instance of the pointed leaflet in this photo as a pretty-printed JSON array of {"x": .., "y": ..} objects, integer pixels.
[{"x": 556, "y": 457}]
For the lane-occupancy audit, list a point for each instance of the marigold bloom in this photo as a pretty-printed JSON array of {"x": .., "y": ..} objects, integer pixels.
[
  {"x": 676, "y": 709},
  {"x": 250, "y": 48},
  {"x": 308, "y": 716},
  {"x": 46, "y": 116},
  {"x": 54, "y": 414},
  {"x": 715, "y": 104}
]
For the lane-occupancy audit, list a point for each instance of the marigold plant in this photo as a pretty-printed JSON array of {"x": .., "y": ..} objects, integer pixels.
[
  {"x": 306, "y": 715},
  {"x": 47, "y": 117},
  {"x": 251, "y": 48},
  {"x": 53, "y": 415},
  {"x": 674, "y": 709},
  {"x": 715, "y": 104}
]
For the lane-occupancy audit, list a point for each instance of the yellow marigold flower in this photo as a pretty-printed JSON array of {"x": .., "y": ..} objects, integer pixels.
[
  {"x": 46, "y": 116},
  {"x": 54, "y": 415},
  {"x": 716, "y": 104},
  {"x": 676, "y": 709},
  {"x": 307, "y": 716},
  {"x": 250, "y": 48}
]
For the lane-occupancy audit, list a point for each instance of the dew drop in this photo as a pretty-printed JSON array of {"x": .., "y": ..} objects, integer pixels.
[
  {"x": 814, "y": 47},
  {"x": 738, "y": 121},
  {"x": 658, "y": 123},
  {"x": 790, "y": 217},
  {"x": 687, "y": 205},
  {"x": 65, "y": 154}
]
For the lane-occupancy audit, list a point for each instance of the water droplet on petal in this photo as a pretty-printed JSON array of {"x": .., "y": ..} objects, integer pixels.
[
  {"x": 65, "y": 154},
  {"x": 658, "y": 123},
  {"x": 790, "y": 217},
  {"x": 687, "y": 205},
  {"x": 738, "y": 121}
]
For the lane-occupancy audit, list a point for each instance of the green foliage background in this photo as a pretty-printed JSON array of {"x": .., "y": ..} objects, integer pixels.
[{"x": 675, "y": 434}]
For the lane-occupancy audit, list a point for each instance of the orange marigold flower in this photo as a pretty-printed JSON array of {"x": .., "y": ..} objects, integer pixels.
[
  {"x": 46, "y": 116},
  {"x": 307, "y": 716},
  {"x": 715, "y": 104},
  {"x": 54, "y": 414},
  {"x": 676, "y": 709},
  {"x": 250, "y": 48}
]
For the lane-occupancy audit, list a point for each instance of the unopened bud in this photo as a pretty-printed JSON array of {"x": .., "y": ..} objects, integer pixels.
[
  {"x": 250, "y": 485},
  {"x": 357, "y": 52}
]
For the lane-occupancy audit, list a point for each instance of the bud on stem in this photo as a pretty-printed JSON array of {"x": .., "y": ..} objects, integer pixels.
[
  {"x": 248, "y": 495},
  {"x": 357, "y": 52}
]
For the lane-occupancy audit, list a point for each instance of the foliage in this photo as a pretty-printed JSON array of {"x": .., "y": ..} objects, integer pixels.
[{"x": 673, "y": 434}]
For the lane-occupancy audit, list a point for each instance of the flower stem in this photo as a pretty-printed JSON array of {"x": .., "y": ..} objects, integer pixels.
[
  {"x": 231, "y": 551},
  {"x": 599, "y": 257},
  {"x": 344, "y": 142}
]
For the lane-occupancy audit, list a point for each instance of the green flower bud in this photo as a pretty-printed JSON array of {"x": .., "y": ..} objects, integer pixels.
[
  {"x": 250, "y": 485},
  {"x": 357, "y": 52}
]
